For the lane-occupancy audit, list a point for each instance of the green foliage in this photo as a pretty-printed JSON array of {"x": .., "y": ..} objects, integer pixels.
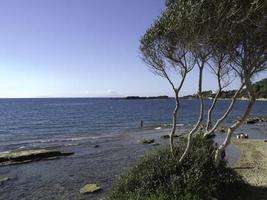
[
  {"x": 234, "y": 28},
  {"x": 260, "y": 89},
  {"x": 159, "y": 176}
]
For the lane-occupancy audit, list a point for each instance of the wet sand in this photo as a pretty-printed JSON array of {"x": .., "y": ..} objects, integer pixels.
[{"x": 252, "y": 164}]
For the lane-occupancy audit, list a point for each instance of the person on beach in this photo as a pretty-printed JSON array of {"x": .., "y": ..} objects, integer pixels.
[{"x": 141, "y": 124}]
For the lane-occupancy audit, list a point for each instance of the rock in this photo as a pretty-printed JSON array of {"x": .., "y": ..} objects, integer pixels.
[
  {"x": 146, "y": 141},
  {"x": 221, "y": 130},
  {"x": 90, "y": 188},
  {"x": 263, "y": 119},
  {"x": 252, "y": 120},
  {"x": 265, "y": 140},
  {"x": 155, "y": 144},
  {"x": 19, "y": 157},
  {"x": 165, "y": 136},
  {"x": 168, "y": 136}
]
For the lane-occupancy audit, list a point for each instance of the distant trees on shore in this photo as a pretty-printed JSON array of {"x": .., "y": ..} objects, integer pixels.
[
  {"x": 228, "y": 38},
  {"x": 260, "y": 89}
]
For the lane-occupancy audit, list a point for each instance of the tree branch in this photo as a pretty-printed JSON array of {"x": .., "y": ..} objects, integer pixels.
[{"x": 220, "y": 120}]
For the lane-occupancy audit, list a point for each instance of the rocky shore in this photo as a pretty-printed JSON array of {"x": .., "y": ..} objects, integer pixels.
[
  {"x": 256, "y": 119},
  {"x": 86, "y": 171},
  {"x": 25, "y": 156}
]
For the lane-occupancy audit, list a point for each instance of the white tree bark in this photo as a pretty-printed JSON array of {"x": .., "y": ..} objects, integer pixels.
[
  {"x": 209, "y": 120},
  {"x": 209, "y": 124},
  {"x": 221, "y": 119},
  {"x": 200, "y": 118},
  {"x": 174, "y": 120},
  {"x": 236, "y": 125},
  {"x": 174, "y": 114}
]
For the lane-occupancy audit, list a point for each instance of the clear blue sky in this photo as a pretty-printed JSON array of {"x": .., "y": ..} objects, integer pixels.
[{"x": 78, "y": 48}]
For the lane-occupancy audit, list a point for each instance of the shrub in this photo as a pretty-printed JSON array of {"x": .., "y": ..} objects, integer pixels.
[{"x": 159, "y": 176}]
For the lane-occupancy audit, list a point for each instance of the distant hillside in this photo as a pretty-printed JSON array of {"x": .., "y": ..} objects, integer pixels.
[{"x": 260, "y": 89}]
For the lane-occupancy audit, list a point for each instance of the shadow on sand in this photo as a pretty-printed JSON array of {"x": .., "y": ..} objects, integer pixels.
[{"x": 250, "y": 192}]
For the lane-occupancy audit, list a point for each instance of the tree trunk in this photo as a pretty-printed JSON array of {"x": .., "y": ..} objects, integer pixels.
[
  {"x": 209, "y": 124},
  {"x": 190, "y": 135},
  {"x": 174, "y": 114},
  {"x": 230, "y": 107},
  {"x": 174, "y": 120},
  {"x": 189, "y": 139},
  {"x": 236, "y": 125},
  {"x": 209, "y": 120}
]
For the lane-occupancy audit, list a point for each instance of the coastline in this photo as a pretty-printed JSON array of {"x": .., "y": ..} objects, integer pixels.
[
  {"x": 252, "y": 165},
  {"x": 239, "y": 99},
  {"x": 91, "y": 164},
  {"x": 97, "y": 160}
]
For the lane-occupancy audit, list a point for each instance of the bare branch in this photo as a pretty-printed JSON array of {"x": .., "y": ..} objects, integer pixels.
[{"x": 220, "y": 120}]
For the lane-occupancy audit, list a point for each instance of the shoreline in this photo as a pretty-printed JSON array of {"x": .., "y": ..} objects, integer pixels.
[
  {"x": 252, "y": 164},
  {"x": 90, "y": 164},
  {"x": 221, "y": 99},
  {"x": 97, "y": 161}
]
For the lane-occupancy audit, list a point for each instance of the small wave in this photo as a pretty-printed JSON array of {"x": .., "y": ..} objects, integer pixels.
[
  {"x": 4, "y": 152},
  {"x": 70, "y": 104},
  {"x": 77, "y": 138},
  {"x": 70, "y": 144},
  {"x": 104, "y": 136},
  {"x": 46, "y": 141},
  {"x": 170, "y": 125},
  {"x": 34, "y": 142}
]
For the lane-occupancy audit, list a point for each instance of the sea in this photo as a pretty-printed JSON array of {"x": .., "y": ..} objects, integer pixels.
[{"x": 79, "y": 124}]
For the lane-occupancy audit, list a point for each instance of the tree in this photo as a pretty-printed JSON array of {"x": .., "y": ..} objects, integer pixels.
[
  {"x": 167, "y": 57},
  {"x": 223, "y": 73},
  {"x": 228, "y": 36},
  {"x": 243, "y": 38}
]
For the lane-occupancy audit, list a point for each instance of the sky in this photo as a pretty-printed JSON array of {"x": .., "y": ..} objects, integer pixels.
[{"x": 79, "y": 48}]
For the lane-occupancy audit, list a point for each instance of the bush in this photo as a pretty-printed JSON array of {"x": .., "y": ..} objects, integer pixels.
[{"x": 159, "y": 176}]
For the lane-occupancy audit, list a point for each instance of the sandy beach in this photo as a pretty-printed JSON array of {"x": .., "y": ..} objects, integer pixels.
[{"x": 252, "y": 164}]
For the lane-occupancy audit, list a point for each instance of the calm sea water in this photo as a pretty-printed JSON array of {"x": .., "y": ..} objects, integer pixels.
[
  {"x": 77, "y": 125},
  {"x": 32, "y": 122}
]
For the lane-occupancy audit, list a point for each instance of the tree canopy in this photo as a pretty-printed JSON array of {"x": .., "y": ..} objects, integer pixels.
[{"x": 227, "y": 36}]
